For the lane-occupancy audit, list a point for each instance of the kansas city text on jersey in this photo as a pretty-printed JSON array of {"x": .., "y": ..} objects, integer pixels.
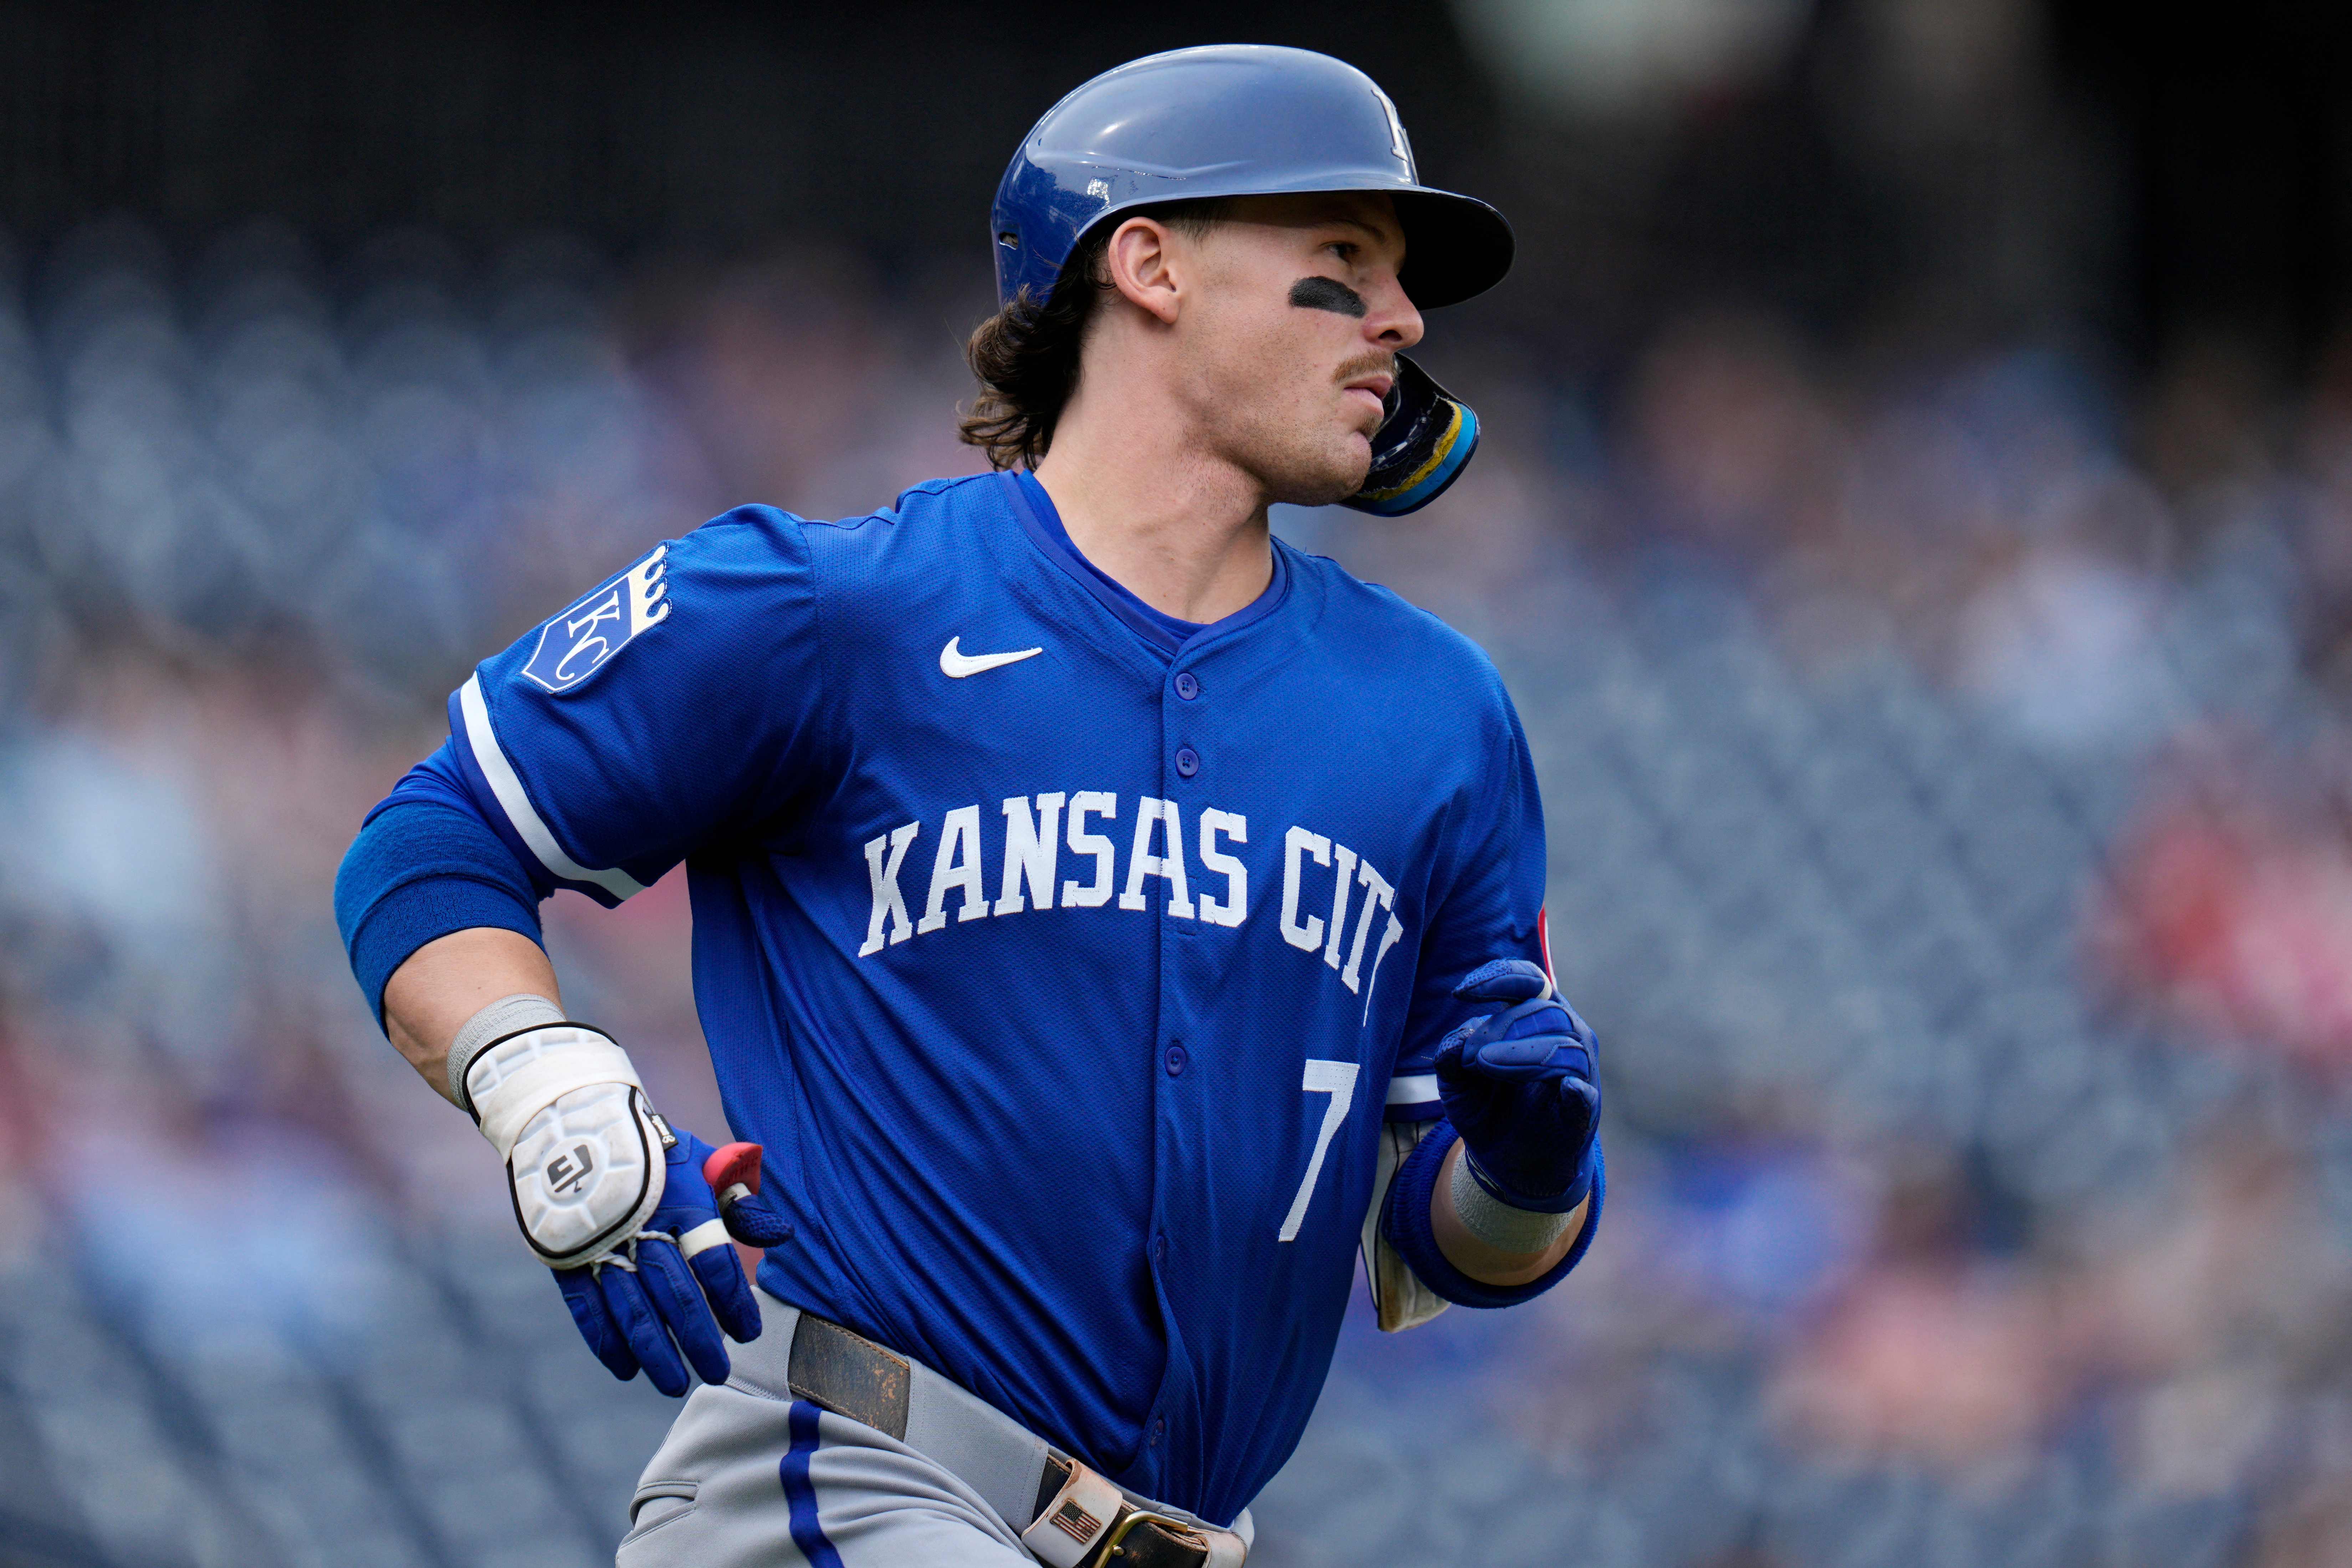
[{"x": 1029, "y": 858}]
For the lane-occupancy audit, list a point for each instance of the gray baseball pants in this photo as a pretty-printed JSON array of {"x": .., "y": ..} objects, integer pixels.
[{"x": 751, "y": 1478}]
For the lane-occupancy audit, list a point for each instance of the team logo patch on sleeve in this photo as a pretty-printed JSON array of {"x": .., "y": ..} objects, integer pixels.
[{"x": 581, "y": 641}]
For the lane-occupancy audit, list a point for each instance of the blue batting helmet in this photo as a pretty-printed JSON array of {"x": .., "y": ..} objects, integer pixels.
[{"x": 1230, "y": 120}]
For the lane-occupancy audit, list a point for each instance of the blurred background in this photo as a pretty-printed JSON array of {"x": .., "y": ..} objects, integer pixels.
[{"x": 1915, "y": 521}]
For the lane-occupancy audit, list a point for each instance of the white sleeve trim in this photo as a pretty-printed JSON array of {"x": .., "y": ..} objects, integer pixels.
[
  {"x": 1420, "y": 1088},
  {"x": 508, "y": 786}
]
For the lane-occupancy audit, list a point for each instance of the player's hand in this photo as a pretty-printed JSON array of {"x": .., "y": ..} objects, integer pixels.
[
  {"x": 673, "y": 1287},
  {"x": 1519, "y": 1085}
]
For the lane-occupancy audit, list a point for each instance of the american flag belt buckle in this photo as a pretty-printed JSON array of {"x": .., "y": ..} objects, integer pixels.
[
  {"x": 1087, "y": 1523},
  {"x": 1068, "y": 1530}
]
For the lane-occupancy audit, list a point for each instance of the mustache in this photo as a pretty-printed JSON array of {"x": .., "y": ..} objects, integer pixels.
[{"x": 1366, "y": 364}]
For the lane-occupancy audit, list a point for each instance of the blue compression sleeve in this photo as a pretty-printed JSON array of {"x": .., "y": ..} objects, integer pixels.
[
  {"x": 1405, "y": 1222},
  {"x": 425, "y": 865}
]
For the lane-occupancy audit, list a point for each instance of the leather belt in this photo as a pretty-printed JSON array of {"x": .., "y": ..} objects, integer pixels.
[{"x": 1078, "y": 1519}]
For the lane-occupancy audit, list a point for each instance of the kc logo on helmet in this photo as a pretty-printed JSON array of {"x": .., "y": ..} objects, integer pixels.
[{"x": 581, "y": 641}]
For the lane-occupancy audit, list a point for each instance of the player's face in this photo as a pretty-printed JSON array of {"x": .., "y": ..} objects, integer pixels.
[{"x": 1292, "y": 337}]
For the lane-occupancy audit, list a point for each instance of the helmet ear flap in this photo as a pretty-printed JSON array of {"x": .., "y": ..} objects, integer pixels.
[{"x": 1425, "y": 440}]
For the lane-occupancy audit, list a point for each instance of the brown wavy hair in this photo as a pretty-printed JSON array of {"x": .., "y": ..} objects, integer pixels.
[{"x": 1026, "y": 355}]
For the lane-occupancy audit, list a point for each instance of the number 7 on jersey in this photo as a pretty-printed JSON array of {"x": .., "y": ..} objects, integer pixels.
[{"x": 1336, "y": 1079}]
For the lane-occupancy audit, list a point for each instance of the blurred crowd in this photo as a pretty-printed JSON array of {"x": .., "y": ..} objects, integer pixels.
[{"x": 1950, "y": 806}]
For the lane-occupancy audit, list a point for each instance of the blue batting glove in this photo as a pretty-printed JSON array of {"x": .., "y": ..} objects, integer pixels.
[
  {"x": 677, "y": 1283},
  {"x": 1520, "y": 1087}
]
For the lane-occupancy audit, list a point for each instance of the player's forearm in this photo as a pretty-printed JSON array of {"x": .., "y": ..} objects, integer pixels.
[
  {"x": 1482, "y": 1260},
  {"x": 450, "y": 979}
]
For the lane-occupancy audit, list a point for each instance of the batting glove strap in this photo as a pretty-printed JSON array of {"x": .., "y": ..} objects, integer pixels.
[
  {"x": 517, "y": 1075},
  {"x": 507, "y": 1016},
  {"x": 584, "y": 1151},
  {"x": 1503, "y": 1224},
  {"x": 1405, "y": 1222},
  {"x": 1580, "y": 1185}
]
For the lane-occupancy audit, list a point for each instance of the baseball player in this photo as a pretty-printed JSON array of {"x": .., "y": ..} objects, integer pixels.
[{"x": 1108, "y": 917}]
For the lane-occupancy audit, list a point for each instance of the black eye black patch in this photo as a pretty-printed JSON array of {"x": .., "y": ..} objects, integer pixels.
[{"x": 1328, "y": 294}]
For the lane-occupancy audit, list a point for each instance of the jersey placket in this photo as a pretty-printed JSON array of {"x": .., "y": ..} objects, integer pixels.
[
  {"x": 1194, "y": 1061},
  {"x": 1183, "y": 1059}
]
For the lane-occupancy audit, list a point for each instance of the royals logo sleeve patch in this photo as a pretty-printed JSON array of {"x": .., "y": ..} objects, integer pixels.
[{"x": 583, "y": 640}]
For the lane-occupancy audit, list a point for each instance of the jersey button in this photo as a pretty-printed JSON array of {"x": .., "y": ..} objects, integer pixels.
[
  {"x": 1188, "y": 685},
  {"x": 1187, "y": 761},
  {"x": 1159, "y": 1429},
  {"x": 1176, "y": 1059},
  {"x": 1159, "y": 1253}
]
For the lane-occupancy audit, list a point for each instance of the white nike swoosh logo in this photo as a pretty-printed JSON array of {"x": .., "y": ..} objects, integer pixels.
[{"x": 955, "y": 664}]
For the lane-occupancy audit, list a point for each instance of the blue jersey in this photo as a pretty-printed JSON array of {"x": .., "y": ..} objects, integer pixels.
[{"x": 1066, "y": 965}]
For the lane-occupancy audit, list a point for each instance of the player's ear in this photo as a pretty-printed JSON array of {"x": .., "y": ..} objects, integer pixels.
[{"x": 1139, "y": 259}]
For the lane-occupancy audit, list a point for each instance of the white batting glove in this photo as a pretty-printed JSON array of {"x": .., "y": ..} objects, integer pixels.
[{"x": 563, "y": 1106}]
